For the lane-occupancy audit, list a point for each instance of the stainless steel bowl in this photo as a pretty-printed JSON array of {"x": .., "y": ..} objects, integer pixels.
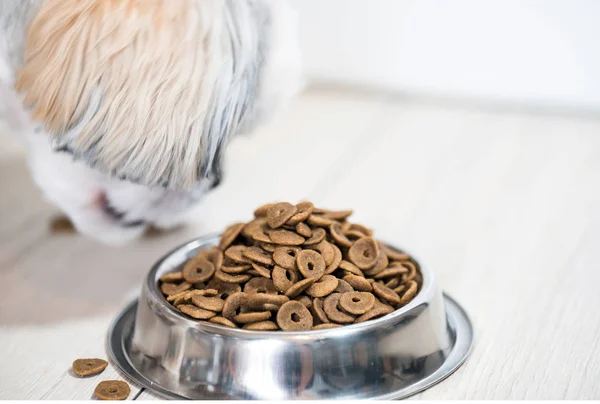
[{"x": 391, "y": 357}]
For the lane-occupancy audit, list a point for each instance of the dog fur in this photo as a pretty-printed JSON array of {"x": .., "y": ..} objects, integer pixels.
[{"x": 127, "y": 106}]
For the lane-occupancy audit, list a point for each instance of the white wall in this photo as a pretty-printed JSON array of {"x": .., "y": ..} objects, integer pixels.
[{"x": 532, "y": 51}]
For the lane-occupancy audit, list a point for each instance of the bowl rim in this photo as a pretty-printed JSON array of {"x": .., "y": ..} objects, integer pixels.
[{"x": 423, "y": 297}]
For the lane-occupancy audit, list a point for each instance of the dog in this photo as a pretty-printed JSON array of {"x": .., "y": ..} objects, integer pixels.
[{"x": 127, "y": 106}]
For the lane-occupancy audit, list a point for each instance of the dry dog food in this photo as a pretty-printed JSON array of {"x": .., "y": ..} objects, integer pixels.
[
  {"x": 112, "y": 390},
  {"x": 89, "y": 367},
  {"x": 294, "y": 268}
]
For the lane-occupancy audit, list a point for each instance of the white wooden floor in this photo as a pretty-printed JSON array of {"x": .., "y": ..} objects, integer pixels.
[{"x": 503, "y": 205}]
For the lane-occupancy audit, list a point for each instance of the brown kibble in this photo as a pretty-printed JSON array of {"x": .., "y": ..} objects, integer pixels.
[
  {"x": 337, "y": 259},
  {"x": 381, "y": 264},
  {"x": 225, "y": 277},
  {"x": 172, "y": 277},
  {"x": 326, "y": 326},
  {"x": 235, "y": 269},
  {"x": 283, "y": 279},
  {"x": 357, "y": 302},
  {"x": 89, "y": 367},
  {"x": 326, "y": 285},
  {"x": 310, "y": 264},
  {"x": 325, "y": 248},
  {"x": 214, "y": 255},
  {"x": 261, "y": 326},
  {"x": 233, "y": 304},
  {"x": 224, "y": 289},
  {"x": 222, "y": 321},
  {"x": 394, "y": 254},
  {"x": 319, "y": 221},
  {"x": 410, "y": 293},
  {"x": 262, "y": 271},
  {"x": 260, "y": 285},
  {"x": 343, "y": 287},
  {"x": 364, "y": 253},
  {"x": 354, "y": 235},
  {"x": 305, "y": 300},
  {"x": 262, "y": 210},
  {"x": 337, "y": 215},
  {"x": 285, "y": 257},
  {"x": 398, "y": 289},
  {"x": 269, "y": 247},
  {"x": 257, "y": 254},
  {"x": 336, "y": 232},
  {"x": 263, "y": 301},
  {"x": 230, "y": 234},
  {"x": 360, "y": 228},
  {"x": 256, "y": 225},
  {"x": 392, "y": 283},
  {"x": 236, "y": 253},
  {"x": 330, "y": 307},
  {"x": 209, "y": 303},
  {"x": 391, "y": 272},
  {"x": 317, "y": 309},
  {"x": 386, "y": 293},
  {"x": 318, "y": 235},
  {"x": 112, "y": 390},
  {"x": 285, "y": 237},
  {"x": 172, "y": 288},
  {"x": 358, "y": 283},
  {"x": 196, "y": 312},
  {"x": 293, "y": 316},
  {"x": 412, "y": 271},
  {"x": 304, "y": 230},
  {"x": 252, "y": 317},
  {"x": 378, "y": 310},
  {"x": 198, "y": 269},
  {"x": 299, "y": 287},
  {"x": 280, "y": 213},
  {"x": 351, "y": 268},
  {"x": 304, "y": 211}
]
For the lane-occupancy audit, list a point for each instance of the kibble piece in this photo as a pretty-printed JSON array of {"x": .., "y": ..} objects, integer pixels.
[
  {"x": 410, "y": 293},
  {"x": 112, "y": 390},
  {"x": 336, "y": 232},
  {"x": 89, "y": 367},
  {"x": 224, "y": 289},
  {"x": 233, "y": 269},
  {"x": 263, "y": 301},
  {"x": 394, "y": 254},
  {"x": 214, "y": 255},
  {"x": 172, "y": 277},
  {"x": 337, "y": 259},
  {"x": 304, "y": 230},
  {"x": 357, "y": 302},
  {"x": 222, "y": 321},
  {"x": 325, "y": 248},
  {"x": 317, "y": 308},
  {"x": 230, "y": 234},
  {"x": 350, "y": 267},
  {"x": 261, "y": 271},
  {"x": 294, "y": 316},
  {"x": 257, "y": 254},
  {"x": 305, "y": 209},
  {"x": 260, "y": 285},
  {"x": 326, "y": 326},
  {"x": 330, "y": 307},
  {"x": 305, "y": 300},
  {"x": 378, "y": 310},
  {"x": 209, "y": 303},
  {"x": 299, "y": 287},
  {"x": 280, "y": 213},
  {"x": 233, "y": 305},
  {"x": 391, "y": 272},
  {"x": 196, "y": 312},
  {"x": 392, "y": 283},
  {"x": 236, "y": 253},
  {"x": 252, "y": 317},
  {"x": 269, "y": 247},
  {"x": 338, "y": 215},
  {"x": 258, "y": 224},
  {"x": 343, "y": 287},
  {"x": 173, "y": 289},
  {"x": 285, "y": 237},
  {"x": 364, "y": 253},
  {"x": 262, "y": 210},
  {"x": 412, "y": 271},
  {"x": 319, "y": 221},
  {"x": 358, "y": 283},
  {"x": 325, "y": 286},
  {"x": 225, "y": 277},
  {"x": 310, "y": 264},
  {"x": 261, "y": 326},
  {"x": 198, "y": 270},
  {"x": 381, "y": 264},
  {"x": 283, "y": 278},
  {"x": 386, "y": 293},
  {"x": 285, "y": 257},
  {"x": 318, "y": 235}
]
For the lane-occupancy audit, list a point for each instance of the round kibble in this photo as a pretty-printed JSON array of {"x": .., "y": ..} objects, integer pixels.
[
  {"x": 89, "y": 367},
  {"x": 261, "y": 326},
  {"x": 256, "y": 225},
  {"x": 209, "y": 303},
  {"x": 343, "y": 287},
  {"x": 260, "y": 285},
  {"x": 230, "y": 234},
  {"x": 331, "y": 309},
  {"x": 304, "y": 230},
  {"x": 236, "y": 253},
  {"x": 357, "y": 302},
  {"x": 410, "y": 292},
  {"x": 350, "y": 267},
  {"x": 173, "y": 289},
  {"x": 172, "y": 277},
  {"x": 235, "y": 269},
  {"x": 319, "y": 221},
  {"x": 325, "y": 248},
  {"x": 214, "y": 255},
  {"x": 325, "y": 286},
  {"x": 386, "y": 293},
  {"x": 326, "y": 326},
  {"x": 112, "y": 390},
  {"x": 381, "y": 264},
  {"x": 283, "y": 279},
  {"x": 304, "y": 211},
  {"x": 222, "y": 321},
  {"x": 285, "y": 257},
  {"x": 261, "y": 271},
  {"x": 392, "y": 283},
  {"x": 198, "y": 270},
  {"x": 280, "y": 213},
  {"x": 336, "y": 232},
  {"x": 337, "y": 259},
  {"x": 364, "y": 253},
  {"x": 294, "y": 316},
  {"x": 225, "y": 277},
  {"x": 285, "y": 237},
  {"x": 358, "y": 282},
  {"x": 262, "y": 210},
  {"x": 196, "y": 312},
  {"x": 233, "y": 305},
  {"x": 263, "y": 301},
  {"x": 338, "y": 215},
  {"x": 257, "y": 254},
  {"x": 299, "y": 287},
  {"x": 354, "y": 235},
  {"x": 317, "y": 309},
  {"x": 394, "y": 254},
  {"x": 310, "y": 264},
  {"x": 379, "y": 309},
  {"x": 224, "y": 289},
  {"x": 318, "y": 235},
  {"x": 269, "y": 247},
  {"x": 252, "y": 317}
]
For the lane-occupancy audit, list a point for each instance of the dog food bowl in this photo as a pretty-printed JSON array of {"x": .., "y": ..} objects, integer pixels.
[{"x": 391, "y": 357}]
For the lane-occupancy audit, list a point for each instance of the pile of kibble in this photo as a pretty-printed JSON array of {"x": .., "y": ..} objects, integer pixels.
[{"x": 294, "y": 268}]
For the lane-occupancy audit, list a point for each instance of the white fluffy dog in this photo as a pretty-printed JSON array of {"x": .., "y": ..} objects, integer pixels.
[{"x": 127, "y": 105}]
